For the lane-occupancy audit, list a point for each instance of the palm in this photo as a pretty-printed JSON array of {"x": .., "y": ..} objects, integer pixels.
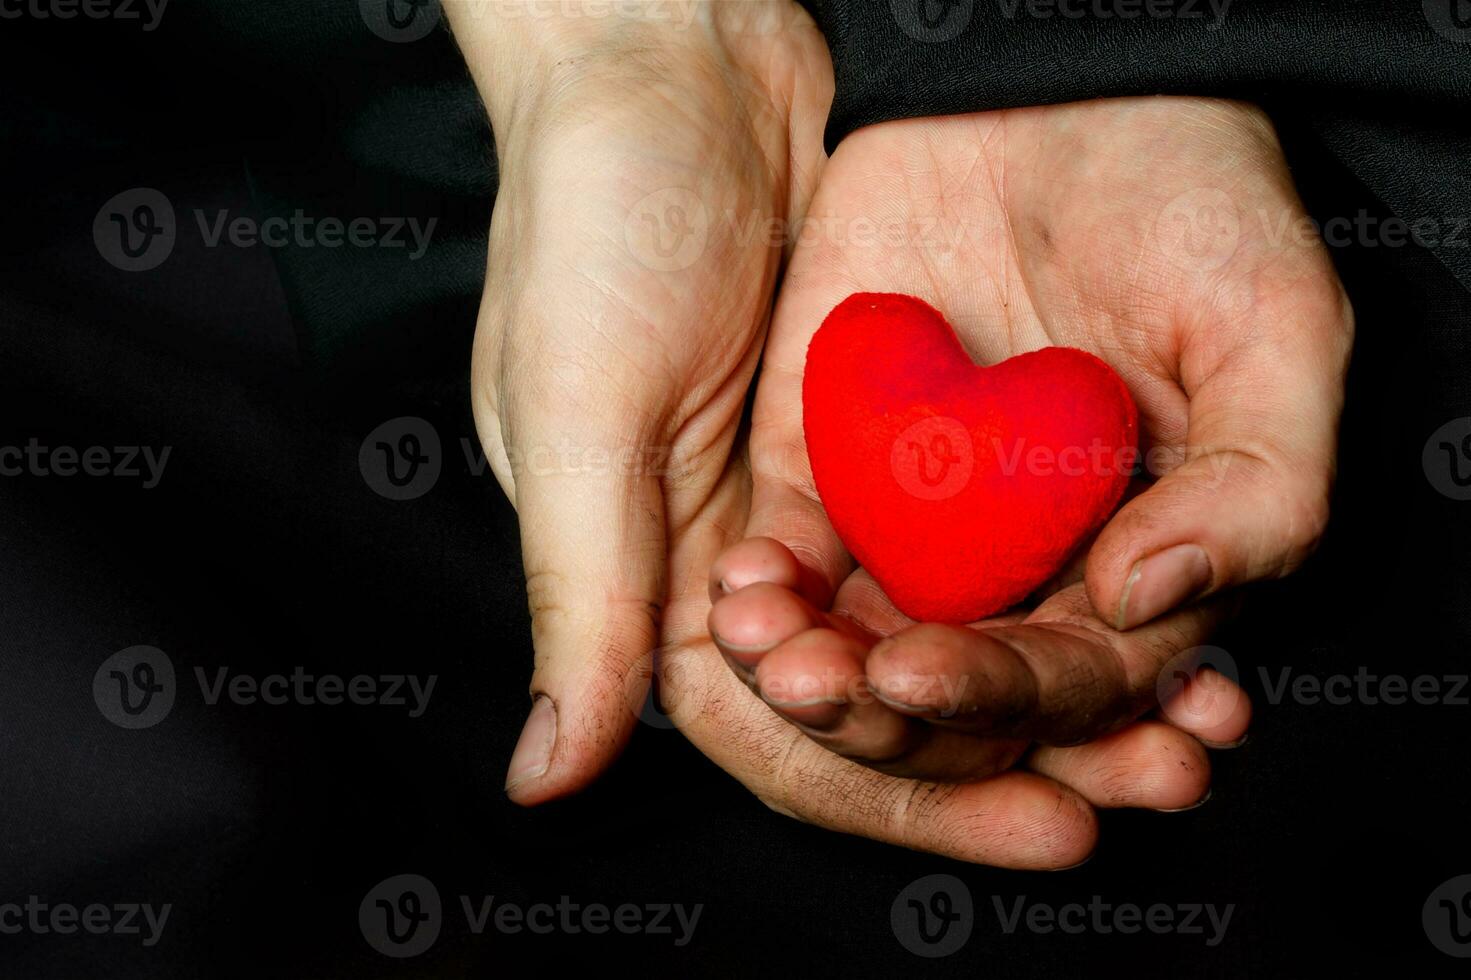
[
  {"x": 1115, "y": 227},
  {"x": 1098, "y": 226},
  {"x": 970, "y": 199},
  {"x": 632, "y": 298}
]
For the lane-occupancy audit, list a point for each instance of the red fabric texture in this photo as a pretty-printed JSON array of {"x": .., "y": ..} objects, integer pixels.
[{"x": 960, "y": 488}]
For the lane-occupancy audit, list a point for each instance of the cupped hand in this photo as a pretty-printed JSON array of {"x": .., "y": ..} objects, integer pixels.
[
  {"x": 601, "y": 331},
  {"x": 1163, "y": 235},
  {"x": 632, "y": 263}
]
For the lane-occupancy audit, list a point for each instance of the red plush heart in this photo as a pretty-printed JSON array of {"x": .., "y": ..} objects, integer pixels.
[{"x": 960, "y": 488}]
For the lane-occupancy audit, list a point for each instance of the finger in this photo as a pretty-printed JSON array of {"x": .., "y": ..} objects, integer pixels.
[
  {"x": 1016, "y": 820},
  {"x": 754, "y": 560},
  {"x": 749, "y": 624},
  {"x": 1250, "y": 498},
  {"x": 862, "y": 600},
  {"x": 816, "y": 680},
  {"x": 1148, "y": 765},
  {"x": 1208, "y": 705},
  {"x": 593, "y": 544},
  {"x": 1060, "y": 677},
  {"x": 784, "y": 503}
]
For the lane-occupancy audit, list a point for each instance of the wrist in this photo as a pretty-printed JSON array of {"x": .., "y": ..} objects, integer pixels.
[{"x": 522, "y": 52}]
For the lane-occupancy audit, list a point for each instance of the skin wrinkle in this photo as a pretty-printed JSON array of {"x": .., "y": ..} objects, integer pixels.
[
  {"x": 628, "y": 306},
  {"x": 996, "y": 201},
  {"x": 1076, "y": 675},
  {"x": 732, "y": 387},
  {"x": 999, "y": 178},
  {"x": 920, "y": 799},
  {"x": 686, "y": 463}
]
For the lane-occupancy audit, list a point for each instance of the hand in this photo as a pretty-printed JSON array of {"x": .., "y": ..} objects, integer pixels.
[
  {"x": 629, "y": 286},
  {"x": 1039, "y": 815},
  {"x": 1148, "y": 231},
  {"x": 581, "y": 340}
]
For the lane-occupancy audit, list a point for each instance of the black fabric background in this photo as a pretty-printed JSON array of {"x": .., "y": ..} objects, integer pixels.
[{"x": 263, "y": 547}]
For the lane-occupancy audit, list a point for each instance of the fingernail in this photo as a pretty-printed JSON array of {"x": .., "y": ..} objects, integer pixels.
[
  {"x": 804, "y": 703},
  {"x": 1161, "y": 582},
  {"x": 534, "y": 749},
  {"x": 1224, "y": 745},
  {"x": 747, "y": 656},
  {"x": 903, "y": 707},
  {"x": 1198, "y": 803},
  {"x": 725, "y": 586}
]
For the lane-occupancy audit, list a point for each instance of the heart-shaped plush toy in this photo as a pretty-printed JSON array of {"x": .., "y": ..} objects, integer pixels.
[{"x": 960, "y": 488}]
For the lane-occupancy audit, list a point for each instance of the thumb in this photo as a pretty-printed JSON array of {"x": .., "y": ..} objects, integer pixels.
[
  {"x": 1246, "y": 496},
  {"x": 593, "y": 546}
]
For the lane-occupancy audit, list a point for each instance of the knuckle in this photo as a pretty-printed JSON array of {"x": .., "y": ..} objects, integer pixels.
[
  {"x": 553, "y": 600},
  {"x": 777, "y": 806},
  {"x": 1306, "y": 511},
  {"x": 912, "y": 813},
  {"x": 546, "y": 598}
]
